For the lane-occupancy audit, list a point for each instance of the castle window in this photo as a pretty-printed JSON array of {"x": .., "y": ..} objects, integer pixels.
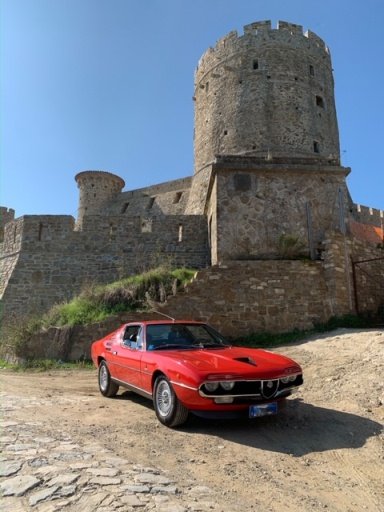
[
  {"x": 151, "y": 203},
  {"x": 316, "y": 147},
  {"x": 311, "y": 70},
  {"x": 225, "y": 132},
  {"x": 40, "y": 235},
  {"x": 177, "y": 197},
  {"x": 112, "y": 230},
  {"x": 124, "y": 208},
  {"x": 146, "y": 225},
  {"x": 319, "y": 101},
  {"x": 255, "y": 64},
  {"x": 180, "y": 239}
]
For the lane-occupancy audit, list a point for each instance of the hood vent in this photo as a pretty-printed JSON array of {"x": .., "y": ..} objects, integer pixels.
[{"x": 247, "y": 360}]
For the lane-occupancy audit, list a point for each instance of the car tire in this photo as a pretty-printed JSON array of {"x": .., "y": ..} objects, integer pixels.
[
  {"x": 169, "y": 410},
  {"x": 107, "y": 387}
]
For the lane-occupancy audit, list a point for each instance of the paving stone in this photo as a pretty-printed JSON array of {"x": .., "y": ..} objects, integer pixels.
[
  {"x": 10, "y": 468},
  {"x": 65, "y": 479},
  {"x": 132, "y": 501},
  {"x": 18, "y": 485},
  {"x": 42, "y": 495},
  {"x": 111, "y": 472},
  {"x": 136, "y": 488},
  {"x": 168, "y": 489},
  {"x": 151, "y": 478},
  {"x": 105, "y": 481}
]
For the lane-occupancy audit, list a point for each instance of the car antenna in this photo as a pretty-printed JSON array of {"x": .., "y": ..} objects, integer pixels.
[{"x": 163, "y": 314}]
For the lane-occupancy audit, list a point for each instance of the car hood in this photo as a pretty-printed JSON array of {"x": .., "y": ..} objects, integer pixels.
[{"x": 237, "y": 361}]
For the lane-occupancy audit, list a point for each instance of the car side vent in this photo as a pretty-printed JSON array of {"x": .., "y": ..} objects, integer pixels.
[{"x": 248, "y": 360}]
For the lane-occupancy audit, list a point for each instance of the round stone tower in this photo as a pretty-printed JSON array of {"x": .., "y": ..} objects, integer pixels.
[
  {"x": 267, "y": 93},
  {"x": 96, "y": 189}
]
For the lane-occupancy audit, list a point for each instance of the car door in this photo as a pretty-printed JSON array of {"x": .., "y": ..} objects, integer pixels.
[{"x": 128, "y": 355}]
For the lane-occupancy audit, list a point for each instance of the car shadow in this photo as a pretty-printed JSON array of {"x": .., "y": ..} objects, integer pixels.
[
  {"x": 299, "y": 429},
  {"x": 135, "y": 398}
]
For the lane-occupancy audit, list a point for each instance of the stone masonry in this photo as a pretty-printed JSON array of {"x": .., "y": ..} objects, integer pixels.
[{"x": 267, "y": 174}]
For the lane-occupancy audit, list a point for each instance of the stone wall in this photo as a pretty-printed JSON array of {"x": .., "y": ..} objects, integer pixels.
[
  {"x": 255, "y": 205},
  {"x": 268, "y": 91},
  {"x": 53, "y": 262},
  {"x": 244, "y": 297},
  {"x": 367, "y": 269}
]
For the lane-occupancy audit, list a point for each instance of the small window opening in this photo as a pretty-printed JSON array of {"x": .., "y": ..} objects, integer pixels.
[
  {"x": 316, "y": 147},
  {"x": 40, "y": 235},
  {"x": 146, "y": 225},
  {"x": 268, "y": 76},
  {"x": 177, "y": 197},
  {"x": 124, "y": 208},
  {"x": 151, "y": 203},
  {"x": 255, "y": 64},
  {"x": 225, "y": 132},
  {"x": 311, "y": 70},
  {"x": 180, "y": 239},
  {"x": 319, "y": 101},
  {"x": 112, "y": 230}
]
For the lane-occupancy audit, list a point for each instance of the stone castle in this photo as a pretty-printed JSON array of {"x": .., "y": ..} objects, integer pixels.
[{"x": 266, "y": 218}]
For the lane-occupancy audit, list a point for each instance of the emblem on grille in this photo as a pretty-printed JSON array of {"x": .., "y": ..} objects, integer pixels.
[{"x": 269, "y": 388}]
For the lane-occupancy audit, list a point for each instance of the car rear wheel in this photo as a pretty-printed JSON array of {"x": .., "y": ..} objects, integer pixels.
[
  {"x": 169, "y": 410},
  {"x": 107, "y": 387}
]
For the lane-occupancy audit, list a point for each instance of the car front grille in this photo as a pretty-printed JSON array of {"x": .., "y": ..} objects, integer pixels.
[{"x": 253, "y": 389}]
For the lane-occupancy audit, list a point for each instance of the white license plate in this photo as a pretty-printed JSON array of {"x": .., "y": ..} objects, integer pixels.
[{"x": 255, "y": 411}]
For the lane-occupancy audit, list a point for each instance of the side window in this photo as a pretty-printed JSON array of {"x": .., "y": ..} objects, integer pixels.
[{"x": 133, "y": 337}]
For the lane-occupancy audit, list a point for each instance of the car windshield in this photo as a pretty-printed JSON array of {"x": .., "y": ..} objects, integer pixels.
[{"x": 171, "y": 336}]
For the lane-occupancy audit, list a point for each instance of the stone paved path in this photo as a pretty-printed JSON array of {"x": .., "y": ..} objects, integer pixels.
[{"x": 45, "y": 472}]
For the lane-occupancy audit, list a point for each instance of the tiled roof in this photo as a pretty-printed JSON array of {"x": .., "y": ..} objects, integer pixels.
[{"x": 366, "y": 232}]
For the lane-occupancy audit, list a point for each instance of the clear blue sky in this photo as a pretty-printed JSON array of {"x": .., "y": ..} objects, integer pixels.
[{"x": 108, "y": 84}]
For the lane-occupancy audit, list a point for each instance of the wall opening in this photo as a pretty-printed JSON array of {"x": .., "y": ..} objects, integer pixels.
[
  {"x": 146, "y": 225},
  {"x": 177, "y": 197},
  {"x": 255, "y": 64},
  {"x": 180, "y": 239},
  {"x": 311, "y": 70},
  {"x": 40, "y": 234},
  {"x": 316, "y": 147},
  {"x": 124, "y": 208},
  {"x": 319, "y": 101},
  {"x": 112, "y": 230},
  {"x": 151, "y": 202}
]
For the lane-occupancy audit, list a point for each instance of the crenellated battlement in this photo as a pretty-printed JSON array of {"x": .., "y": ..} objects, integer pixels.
[
  {"x": 6, "y": 215},
  {"x": 261, "y": 33},
  {"x": 368, "y": 215}
]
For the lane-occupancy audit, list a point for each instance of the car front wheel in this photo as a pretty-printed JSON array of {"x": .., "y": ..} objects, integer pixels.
[
  {"x": 169, "y": 410},
  {"x": 107, "y": 387}
]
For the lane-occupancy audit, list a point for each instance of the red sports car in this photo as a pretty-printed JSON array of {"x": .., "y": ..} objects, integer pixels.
[{"x": 187, "y": 366}]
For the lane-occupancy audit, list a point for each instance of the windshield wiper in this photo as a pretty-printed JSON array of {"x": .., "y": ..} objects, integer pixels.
[
  {"x": 172, "y": 346},
  {"x": 209, "y": 344}
]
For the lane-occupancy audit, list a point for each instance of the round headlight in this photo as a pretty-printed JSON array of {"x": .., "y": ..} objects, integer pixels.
[
  {"x": 227, "y": 385},
  {"x": 211, "y": 386},
  {"x": 292, "y": 378},
  {"x": 284, "y": 380}
]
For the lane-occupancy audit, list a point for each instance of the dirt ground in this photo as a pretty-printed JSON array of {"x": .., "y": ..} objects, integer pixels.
[{"x": 323, "y": 452}]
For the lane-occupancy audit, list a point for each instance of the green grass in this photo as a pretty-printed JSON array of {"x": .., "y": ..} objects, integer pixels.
[
  {"x": 97, "y": 302},
  {"x": 42, "y": 365}
]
